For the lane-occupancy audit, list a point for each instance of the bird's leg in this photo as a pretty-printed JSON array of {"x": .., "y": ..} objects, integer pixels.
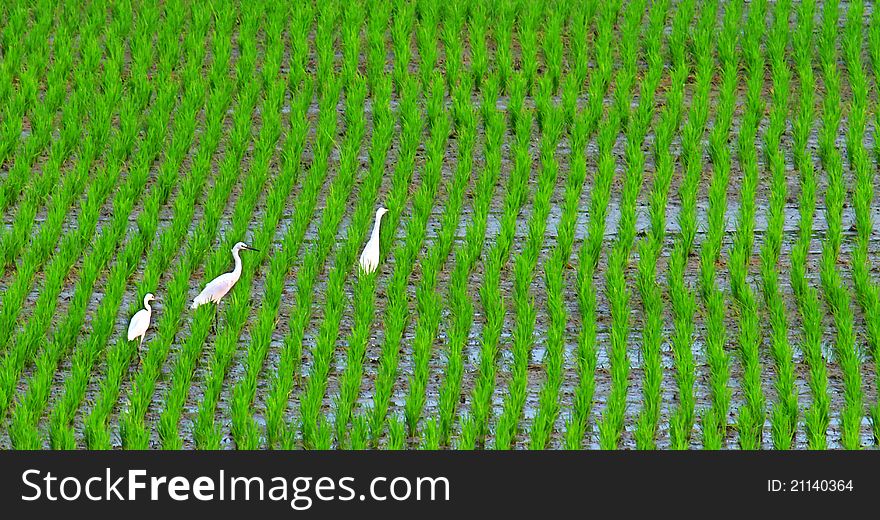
[
  {"x": 214, "y": 321},
  {"x": 140, "y": 354}
]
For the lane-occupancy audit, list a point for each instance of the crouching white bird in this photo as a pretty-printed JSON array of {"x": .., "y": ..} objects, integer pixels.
[
  {"x": 140, "y": 322},
  {"x": 370, "y": 256},
  {"x": 218, "y": 287}
]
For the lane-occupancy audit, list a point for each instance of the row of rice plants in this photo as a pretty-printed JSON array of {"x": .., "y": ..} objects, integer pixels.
[
  {"x": 475, "y": 427},
  {"x": 383, "y": 131},
  {"x": 43, "y": 123},
  {"x": 715, "y": 419},
  {"x": 405, "y": 256},
  {"x": 866, "y": 289},
  {"x": 428, "y": 301},
  {"x": 552, "y": 125},
  {"x": 34, "y": 401},
  {"x": 135, "y": 434},
  {"x": 817, "y": 416},
  {"x": 683, "y": 297},
  {"x": 92, "y": 141},
  {"x": 316, "y": 433},
  {"x": 245, "y": 431},
  {"x": 651, "y": 247},
  {"x": 168, "y": 243},
  {"x": 836, "y": 294},
  {"x": 314, "y": 261},
  {"x": 784, "y": 413},
  {"x": 871, "y": 304},
  {"x": 467, "y": 254},
  {"x": 206, "y": 433},
  {"x": 639, "y": 122},
  {"x": 554, "y": 268},
  {"x": 288, "y": 369},
  {"x": 29, "y": 338},
  {"x": 588, "y": 256},
  {"x": 750, "y": 418}
]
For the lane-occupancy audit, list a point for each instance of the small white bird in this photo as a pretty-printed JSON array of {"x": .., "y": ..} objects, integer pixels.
[
  {"x": 140, "y": 322},
  {"x": 218, "y": 287},
  {"x": 370, "y": 256}
]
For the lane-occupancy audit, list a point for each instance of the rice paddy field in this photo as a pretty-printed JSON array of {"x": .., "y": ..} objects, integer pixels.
[{"x": 647, "y": 224}]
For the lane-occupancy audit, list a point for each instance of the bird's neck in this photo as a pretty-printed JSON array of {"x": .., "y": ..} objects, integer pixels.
[
  {"x": 237, "y": 269},
  {"x": 375, "y": 234},
  {"x": 147, "y": 306}
]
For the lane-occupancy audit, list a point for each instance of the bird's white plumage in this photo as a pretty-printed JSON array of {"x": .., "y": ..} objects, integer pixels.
[
  {"x": 140, "y": 322},
  {"x": 220, "y": 286},
  {"x": 370, "y": 256},
  {"x": 215, "y": 290}
]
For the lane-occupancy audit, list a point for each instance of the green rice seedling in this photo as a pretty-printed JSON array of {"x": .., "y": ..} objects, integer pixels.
[
  {"x": 552, "y": 45},
  {"x": 784, "y": 414},
  {"x": 405, "y": 256},
  {"x": 837, "y": 296},
  {"x": 428, "y": 300},
  {"x": 396, "y": 434},
  {"x": 528, "y": 23},
  {"x": 715, "y": 419},
  {"x": 32, "y": 403},
  {"x": 751, "y": 416},
  {"x": 29, "y": 338},
  {"x": 502, "y": 34},
  {"x": 478, "y": 28},
  {"x": 867, "y": 293},
  {"x": 651, "y": 246},
  {"x": 577, "y": 423},
  {"x": 402, "y": 23},
  {"x": 817, "y": 416},
  {"x": 360, "y": 433},
  {"x": 450, "y": 35},
  {"x": 376, "y": 54},
  {"x": 426, "y": 37},
  {"x": 466, "y": 257},
  {"x": 612, "y": 423},
  {"x": 85, "y": 357},
  {"x": 133, "y": 430},
  {"x": 44, "y": 243},
  {"x": 206, "y": 432}
]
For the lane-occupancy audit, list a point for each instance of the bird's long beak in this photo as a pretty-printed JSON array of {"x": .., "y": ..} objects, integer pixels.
[{"x": 249, "y": 248}]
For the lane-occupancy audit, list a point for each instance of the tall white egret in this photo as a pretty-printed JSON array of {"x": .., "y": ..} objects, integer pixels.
[
  {"x": 218, "y": 287},
  {"x": 140, "y": 322},
  {"x": 370, "y": 256}
]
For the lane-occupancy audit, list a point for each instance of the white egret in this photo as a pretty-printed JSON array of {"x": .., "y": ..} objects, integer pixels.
[
  {"x": 370, "y": 256},
  {"x": 140, "y": 322},
  {"x": 218, "y": 287}
]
